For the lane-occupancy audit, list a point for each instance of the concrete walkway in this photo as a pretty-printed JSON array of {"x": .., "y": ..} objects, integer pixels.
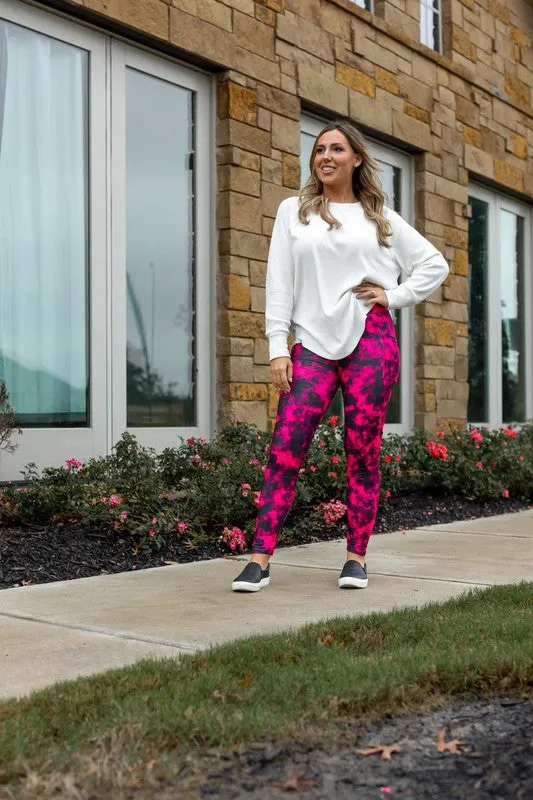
[{"x": 59, "y": 631}]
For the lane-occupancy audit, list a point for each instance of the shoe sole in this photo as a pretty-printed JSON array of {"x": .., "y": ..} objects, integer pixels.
[
  {"x": 353, "y": 583},
  {"x": 243, "y": 586}
]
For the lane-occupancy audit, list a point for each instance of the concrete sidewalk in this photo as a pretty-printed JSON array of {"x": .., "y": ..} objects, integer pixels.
[{"x": 59, "y": 631}]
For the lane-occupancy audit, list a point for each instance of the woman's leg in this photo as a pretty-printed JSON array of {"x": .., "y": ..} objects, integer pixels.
[
  {"x": 367, "y": 378},
  {"x": 315, "y": 381}
]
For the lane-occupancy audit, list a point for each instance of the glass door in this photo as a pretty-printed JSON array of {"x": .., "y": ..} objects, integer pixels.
[
  {"x": 106, "y": 277},
  {"x": 500, "y": 365},
  {"x": 397, "y": 182},
  {"x": 162, "y": 259},
  {"x": 52, "y": 265}
]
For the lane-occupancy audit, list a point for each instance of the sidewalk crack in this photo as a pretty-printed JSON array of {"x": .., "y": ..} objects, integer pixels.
[{"x": 104, "y": 632}]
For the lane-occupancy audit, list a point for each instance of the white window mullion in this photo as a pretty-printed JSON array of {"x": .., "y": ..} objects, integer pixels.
[
  {"x": 99, "y": 251},
  {"x": 205, "y": 169},
  {"x": 494, "y": 313},
  {"x": 528, "y": 294},
  {"x": 117, "y": 189}
]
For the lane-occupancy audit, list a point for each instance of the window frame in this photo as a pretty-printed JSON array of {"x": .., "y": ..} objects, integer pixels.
[
  {"x": 363, "y": 3},
  {"x": 497, "y": 202},
  {"x": 312, "y": 125},
  {"x": 427, "y": 9}
]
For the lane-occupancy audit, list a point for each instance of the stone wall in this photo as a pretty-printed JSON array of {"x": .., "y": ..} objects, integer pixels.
[{"x": 464, "y": 114}]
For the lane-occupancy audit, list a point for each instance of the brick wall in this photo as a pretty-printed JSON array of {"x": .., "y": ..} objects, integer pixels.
[{"x": 466, "y": 113}]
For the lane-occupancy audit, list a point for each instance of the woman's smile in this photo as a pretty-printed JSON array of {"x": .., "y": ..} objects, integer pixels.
[{"x": 334, "y": 163}]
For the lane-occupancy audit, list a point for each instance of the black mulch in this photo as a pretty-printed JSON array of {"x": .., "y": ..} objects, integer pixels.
[
  {"x": 42, "y": 554},
  {"x": 498, "y": 764}
]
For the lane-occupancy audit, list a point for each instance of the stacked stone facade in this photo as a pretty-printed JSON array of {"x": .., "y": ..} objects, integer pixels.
[{"x": 465, "y": 114}]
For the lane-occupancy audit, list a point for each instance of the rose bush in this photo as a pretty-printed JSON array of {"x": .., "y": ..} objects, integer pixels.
[{"x": 201, "y": 488}]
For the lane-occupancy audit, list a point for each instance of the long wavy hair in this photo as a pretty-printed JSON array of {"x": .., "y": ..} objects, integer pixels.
[{"x": 365, "y": 184}]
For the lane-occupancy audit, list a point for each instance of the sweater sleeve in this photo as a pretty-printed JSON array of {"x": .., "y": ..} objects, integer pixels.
[
  {"x": 424, "y": 265},
  {"x": 279, "y": 285}
]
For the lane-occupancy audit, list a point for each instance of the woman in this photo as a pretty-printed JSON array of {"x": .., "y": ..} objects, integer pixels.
[{"x": 335, "y": 257}]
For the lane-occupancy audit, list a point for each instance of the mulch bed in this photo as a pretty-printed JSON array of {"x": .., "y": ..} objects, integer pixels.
[
  {"x": 498, "y": 764},
  {"x": 43, "y": 554}
]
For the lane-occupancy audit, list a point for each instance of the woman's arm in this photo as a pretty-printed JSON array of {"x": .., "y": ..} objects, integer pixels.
[
  {"x": 279, "y": 285},
  {"x": 425, "y": 267}
]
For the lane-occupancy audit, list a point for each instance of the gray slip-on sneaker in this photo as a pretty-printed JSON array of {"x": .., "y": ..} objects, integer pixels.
[
  {"x": 252, "y": 578},
  {"x": 353, "y": 576}
]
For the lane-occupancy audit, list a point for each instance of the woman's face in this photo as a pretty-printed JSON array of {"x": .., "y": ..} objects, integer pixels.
[{"x": 335, "y": 160}]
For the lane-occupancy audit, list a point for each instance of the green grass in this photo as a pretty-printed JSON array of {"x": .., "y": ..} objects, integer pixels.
[{"x": 280, "y": 686}]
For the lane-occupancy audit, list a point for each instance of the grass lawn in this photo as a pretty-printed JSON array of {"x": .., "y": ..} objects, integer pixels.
[{"x": 165, "y": 721}]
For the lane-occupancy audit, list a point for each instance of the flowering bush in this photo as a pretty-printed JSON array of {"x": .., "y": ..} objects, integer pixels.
[
  {"x": 234, "y": 539},
  {"x": 332, "y": 511},
  {"x": 203, "y": 488},
  {"x": 437, "y": 450}
]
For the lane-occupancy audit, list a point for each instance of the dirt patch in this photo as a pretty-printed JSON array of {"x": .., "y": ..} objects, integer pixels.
[{"x": 499, "y": 763}]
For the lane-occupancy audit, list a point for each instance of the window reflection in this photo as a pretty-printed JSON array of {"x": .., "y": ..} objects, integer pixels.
[
  {"x": 430, "y": 23},
  {"x": 512, "y": 316},
  {"x": 160, "y": 253},
  {"x": 478, "y": 344}
]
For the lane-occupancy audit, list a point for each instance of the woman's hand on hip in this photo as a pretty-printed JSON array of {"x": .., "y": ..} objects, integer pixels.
[
  {"x": 281, "y": 372},
  {"x": 371, "y": 294}
]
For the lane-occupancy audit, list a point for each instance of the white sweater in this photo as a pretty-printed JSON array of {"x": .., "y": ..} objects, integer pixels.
[{"x": 312, "y": 271}]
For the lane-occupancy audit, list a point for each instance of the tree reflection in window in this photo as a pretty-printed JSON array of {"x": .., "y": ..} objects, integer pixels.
[{"x": 478, "y": 311}]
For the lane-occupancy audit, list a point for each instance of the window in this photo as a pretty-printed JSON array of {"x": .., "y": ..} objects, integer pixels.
[
  {"x": 366, "y": 4},
  {"x": 161, "y": 248},
  {"x": 431, "y": 24},
  {"x": 500, "y": 318},
  {"x": 105, "y": 231},
  {"x": 397, "y": 182},
  {"x": 43, "y": 227},
  {"x": 159, "y": 253}
]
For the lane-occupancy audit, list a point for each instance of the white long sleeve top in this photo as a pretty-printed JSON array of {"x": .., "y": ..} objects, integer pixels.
[{"x": 312, "y": 270}]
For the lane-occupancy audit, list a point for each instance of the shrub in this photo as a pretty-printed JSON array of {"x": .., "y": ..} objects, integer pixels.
[
  {"x": 210, "y": 489},
  {"x": 7, "y": 421}
]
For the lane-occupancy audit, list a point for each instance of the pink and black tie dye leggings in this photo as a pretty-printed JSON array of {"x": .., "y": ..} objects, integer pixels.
[{"x": 366, "y": 378}]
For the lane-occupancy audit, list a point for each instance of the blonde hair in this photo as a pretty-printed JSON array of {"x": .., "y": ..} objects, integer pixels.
[{"x": 365, "y": 184}]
